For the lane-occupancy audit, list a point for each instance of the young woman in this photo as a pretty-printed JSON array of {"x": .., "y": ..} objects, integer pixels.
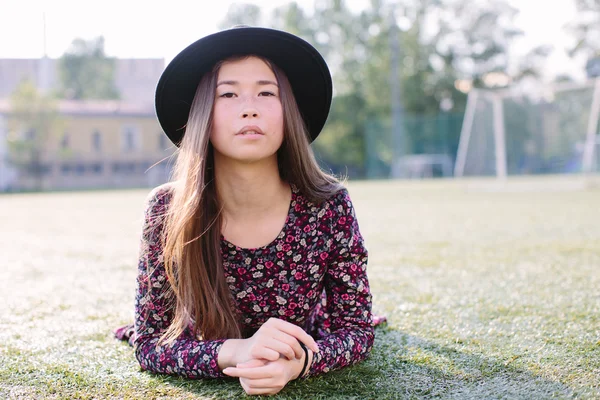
[{"x": 251, "y": 264}]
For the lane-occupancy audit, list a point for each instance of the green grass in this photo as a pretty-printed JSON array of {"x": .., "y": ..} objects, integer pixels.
[{"x": 490, "y": 292}]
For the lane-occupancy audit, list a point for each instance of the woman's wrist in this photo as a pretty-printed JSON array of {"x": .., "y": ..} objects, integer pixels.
[
  {"x": 228, "y": 353},
  {"x": 310, "y": 360},
  {"x": 303, "y": 366}
]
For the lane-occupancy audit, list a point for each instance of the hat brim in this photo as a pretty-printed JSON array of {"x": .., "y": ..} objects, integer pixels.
[{"x": 304, "y": 67}]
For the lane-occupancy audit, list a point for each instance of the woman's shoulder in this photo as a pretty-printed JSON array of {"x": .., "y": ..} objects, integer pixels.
[
  {"x": 337, "y": 200},
  {"x": 159, "y": 196}
]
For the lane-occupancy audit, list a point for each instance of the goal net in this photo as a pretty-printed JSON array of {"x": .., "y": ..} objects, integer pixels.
[{"x": 554, "y": 131}]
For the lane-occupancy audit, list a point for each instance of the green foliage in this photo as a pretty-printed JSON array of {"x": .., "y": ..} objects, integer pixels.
[
  {"x": 86, "y": 72},
  {"x": 586, "y": 29},
  {"x": 32, "y": 122},
  {"x": 241, "y": 14},
  {"x": 440, "y": 42}
]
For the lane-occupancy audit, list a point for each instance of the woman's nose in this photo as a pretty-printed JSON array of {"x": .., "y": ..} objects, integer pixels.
[
  {"x": 249, "y": 109},
  {"x": 249, "y": 113}
]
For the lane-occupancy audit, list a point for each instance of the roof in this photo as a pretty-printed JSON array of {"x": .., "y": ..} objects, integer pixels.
[{"x": 96, "y": 108}]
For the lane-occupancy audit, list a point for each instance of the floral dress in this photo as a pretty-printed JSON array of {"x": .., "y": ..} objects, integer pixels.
[{"x": 312, "y": 275}]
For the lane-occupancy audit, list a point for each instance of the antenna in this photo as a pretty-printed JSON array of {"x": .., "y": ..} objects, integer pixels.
[{"x": 45, "y": 47}]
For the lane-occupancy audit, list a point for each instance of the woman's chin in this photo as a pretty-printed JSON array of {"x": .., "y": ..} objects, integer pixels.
[{"x": 253, "y": 158}]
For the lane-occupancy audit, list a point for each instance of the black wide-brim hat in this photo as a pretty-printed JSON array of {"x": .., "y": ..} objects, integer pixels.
[{"x": 304, "y": 67}]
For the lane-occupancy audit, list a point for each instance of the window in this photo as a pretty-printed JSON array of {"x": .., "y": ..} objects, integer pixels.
[
  {"x": 64, "y": 142},
  {"x": 97, "y": 141},
  {"x": 38, "y": 169},
  {"x": 125, "y": 168},
  {"x": 79, "y": 169},
  {"x": 130, "y": 138},
  {"x": 96, "y": 168},
  {"x": 65, "y": 169}
]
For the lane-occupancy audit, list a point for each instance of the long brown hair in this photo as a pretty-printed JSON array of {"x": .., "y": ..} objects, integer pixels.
[{"x": 192, "y": 229}]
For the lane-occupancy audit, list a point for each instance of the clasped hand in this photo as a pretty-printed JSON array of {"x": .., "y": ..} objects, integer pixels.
[{"x": 271, "y": 358}]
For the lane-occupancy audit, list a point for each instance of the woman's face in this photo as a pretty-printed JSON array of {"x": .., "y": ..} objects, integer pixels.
[{"x": 247, "y": 114}]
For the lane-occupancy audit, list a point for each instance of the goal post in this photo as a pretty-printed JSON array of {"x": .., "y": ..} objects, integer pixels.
[
  {"x": 592, "y": 131},
  {"x": 549, "y": 130}
]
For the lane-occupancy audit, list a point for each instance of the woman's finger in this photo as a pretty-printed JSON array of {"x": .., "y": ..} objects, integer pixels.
[
  {"x": 259, "y": 390},
  {"x": 252, "y": 364},
  {"x": 284, "y": 344},
  {"x": 296, "y": 332},
  {"x": 264, "y": 353},
  {"x": 249, "y": 373},
  {"x": 268, "y": 383}
]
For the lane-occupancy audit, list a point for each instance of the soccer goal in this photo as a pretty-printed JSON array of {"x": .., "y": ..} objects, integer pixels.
[{"x": 553, "y": 131}]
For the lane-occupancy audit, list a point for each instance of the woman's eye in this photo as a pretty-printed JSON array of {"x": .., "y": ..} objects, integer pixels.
[
  {"x": 266, "y": 94},
  {"x": 227, "y": 95}
]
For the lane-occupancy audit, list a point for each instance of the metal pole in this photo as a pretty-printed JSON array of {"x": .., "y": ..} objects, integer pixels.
[
  {"x": 592, "y": 129},
  {"x": 465, "y": 134},
  {"x": 499, "y": 137},
  {"x": 45, "y": 40},
  {"x": 395, "y": 84}
]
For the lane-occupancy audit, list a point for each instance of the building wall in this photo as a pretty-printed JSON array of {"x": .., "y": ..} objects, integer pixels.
[{"x": 95, "y": 151}]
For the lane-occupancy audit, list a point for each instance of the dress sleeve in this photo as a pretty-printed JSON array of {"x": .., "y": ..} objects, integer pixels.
[
  {"x": 186, "y": 356},
  {"x": 349, "y": 299}
]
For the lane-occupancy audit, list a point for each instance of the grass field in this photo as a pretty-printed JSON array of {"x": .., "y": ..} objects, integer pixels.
[{"x": 490, "y": 292}]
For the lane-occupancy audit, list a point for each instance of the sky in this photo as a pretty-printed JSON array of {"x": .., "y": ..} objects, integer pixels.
[{"x": 139, "y": 29}]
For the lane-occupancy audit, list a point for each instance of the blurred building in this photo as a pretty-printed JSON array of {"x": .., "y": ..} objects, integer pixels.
[{"x": 102, "y": 143}]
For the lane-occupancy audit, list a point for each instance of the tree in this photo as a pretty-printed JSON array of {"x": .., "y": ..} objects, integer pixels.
[
  {"x": 241, "y": 14},
  {"x": 586, "y": 29},
  {"x": 440, "y": 41},
  {"x": 86, "y": 72},
  {"x": 32, "y": 123}
]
